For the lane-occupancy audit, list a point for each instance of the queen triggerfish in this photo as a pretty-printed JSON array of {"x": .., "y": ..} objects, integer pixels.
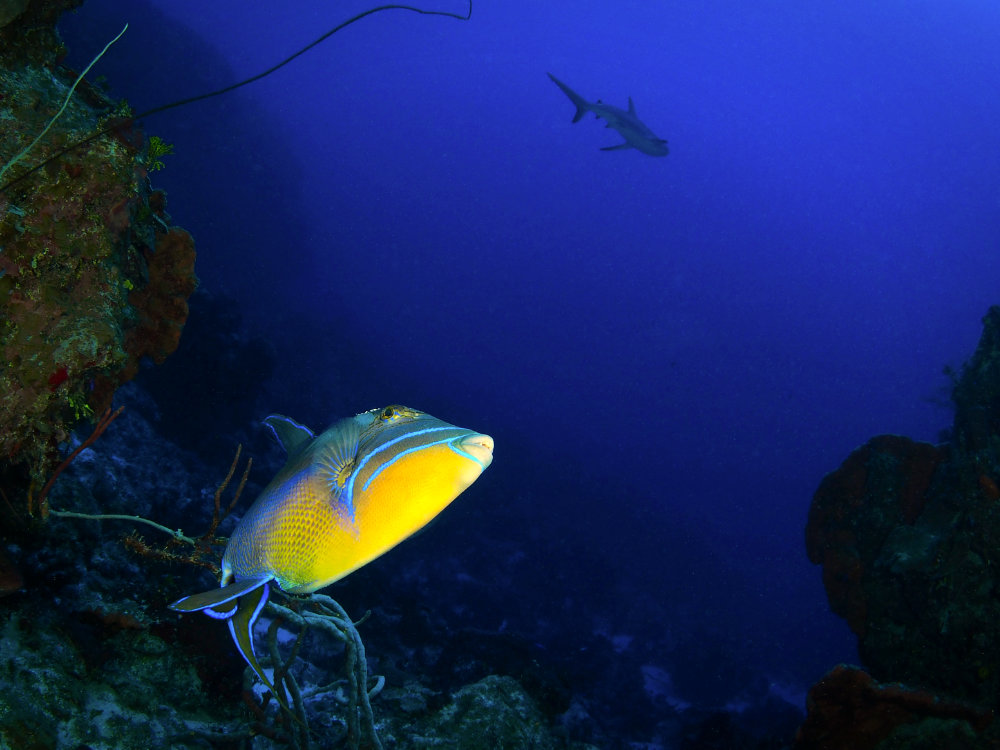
[{"x": 342, "y": 499}]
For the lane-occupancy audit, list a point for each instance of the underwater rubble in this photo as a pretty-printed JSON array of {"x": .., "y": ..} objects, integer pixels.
[{"x": 907, "y": 534}]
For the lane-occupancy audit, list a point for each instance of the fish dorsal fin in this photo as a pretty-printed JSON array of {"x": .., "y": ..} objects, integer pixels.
[
  {"x": 631, "y": 106},
  {"x": 289, "y": 433},
  {"x": 336, "y": 456}
]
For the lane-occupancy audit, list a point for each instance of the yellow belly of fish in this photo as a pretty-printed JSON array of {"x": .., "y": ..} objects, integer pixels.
[{"x": 399, "y": 501}]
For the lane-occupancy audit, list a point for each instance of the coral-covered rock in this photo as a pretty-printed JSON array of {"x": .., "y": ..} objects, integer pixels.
[
  {"x": 977, "y": 395},
  {"x": 11, "y": 9},
  {"x": 78, "y": 281},
  {"x": 27, "y": 31},
  {"x": 907, "y": 535},
  {"x": 881, "y": 486},
  {"x": 493, "y": 712},
  {"x": 83, "y": 683},
  {"x": 849, "y": 709}
]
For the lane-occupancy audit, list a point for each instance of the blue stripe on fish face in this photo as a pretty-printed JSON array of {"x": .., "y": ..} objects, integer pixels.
[
  {"x": 407, "y": 452},
  {"x": 390, "y": 444},
  {"x": 464, "y": 453}
]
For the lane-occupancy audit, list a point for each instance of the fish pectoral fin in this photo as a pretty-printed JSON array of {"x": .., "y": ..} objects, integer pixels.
[
  {"x": 336, "y": 456},
  {"x": 616, "y": 148},
  {"x": 216, "y": 598}
]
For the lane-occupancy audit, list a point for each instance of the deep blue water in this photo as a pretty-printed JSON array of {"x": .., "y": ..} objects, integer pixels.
[{"x": 670, "y": 352}]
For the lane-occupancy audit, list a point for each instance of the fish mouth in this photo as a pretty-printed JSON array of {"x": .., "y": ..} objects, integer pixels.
[{"x": 479, "y": 448}]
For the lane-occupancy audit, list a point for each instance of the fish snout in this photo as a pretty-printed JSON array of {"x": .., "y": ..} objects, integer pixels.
[{"x": 480, "y": 447}]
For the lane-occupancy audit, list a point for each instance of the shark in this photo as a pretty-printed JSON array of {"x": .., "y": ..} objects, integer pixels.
[{"x": 632, "y": 129}]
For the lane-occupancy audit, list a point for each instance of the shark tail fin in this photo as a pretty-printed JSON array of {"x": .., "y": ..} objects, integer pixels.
[{"x": 582, "y": 105}]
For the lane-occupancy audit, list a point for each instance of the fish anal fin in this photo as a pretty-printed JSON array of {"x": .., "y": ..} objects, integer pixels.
[{"x": 618, "y": 147}]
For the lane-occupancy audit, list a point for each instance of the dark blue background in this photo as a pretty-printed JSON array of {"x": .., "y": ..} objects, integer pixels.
[{"x": 669, "y": 352}]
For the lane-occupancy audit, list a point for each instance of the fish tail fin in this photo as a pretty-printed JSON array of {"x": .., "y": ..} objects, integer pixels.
[
  {"x": 241, "y": 629},
  {"x": 240, "y": 604},
  {"x": 214, "y": 601},
  {"x": 582, "y": 105}
]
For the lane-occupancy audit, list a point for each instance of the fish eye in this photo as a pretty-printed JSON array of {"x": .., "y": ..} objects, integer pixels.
[{"x": 389, "y": 412}]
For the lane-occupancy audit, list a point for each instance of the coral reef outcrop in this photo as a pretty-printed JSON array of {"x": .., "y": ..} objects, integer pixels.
[
  {"x": 907, "y": 535},
  {"x": 92, "y": 278}
]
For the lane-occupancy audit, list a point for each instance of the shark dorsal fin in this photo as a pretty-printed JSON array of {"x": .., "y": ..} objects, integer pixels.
[
  {"x": 289, "y": 433},
  {"x": 631, "y": 106}
]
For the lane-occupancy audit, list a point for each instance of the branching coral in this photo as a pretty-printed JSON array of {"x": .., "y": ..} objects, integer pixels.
[{"x": 40, "y": 504}]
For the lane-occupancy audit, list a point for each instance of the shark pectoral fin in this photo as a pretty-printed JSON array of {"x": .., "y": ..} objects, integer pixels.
[
  {"x": 216, "y": 598},
  {"x": 618, "y": 147}
]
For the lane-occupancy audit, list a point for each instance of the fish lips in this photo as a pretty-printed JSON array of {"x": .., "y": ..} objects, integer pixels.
[{"x": 478, "y": 447}]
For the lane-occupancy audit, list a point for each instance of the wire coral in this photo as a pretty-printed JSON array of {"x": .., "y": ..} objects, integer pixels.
[
  {"x": 201, "y": 554},
  {"x": 69, "y": 95},
  {"x": 324, "y": 613}
]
